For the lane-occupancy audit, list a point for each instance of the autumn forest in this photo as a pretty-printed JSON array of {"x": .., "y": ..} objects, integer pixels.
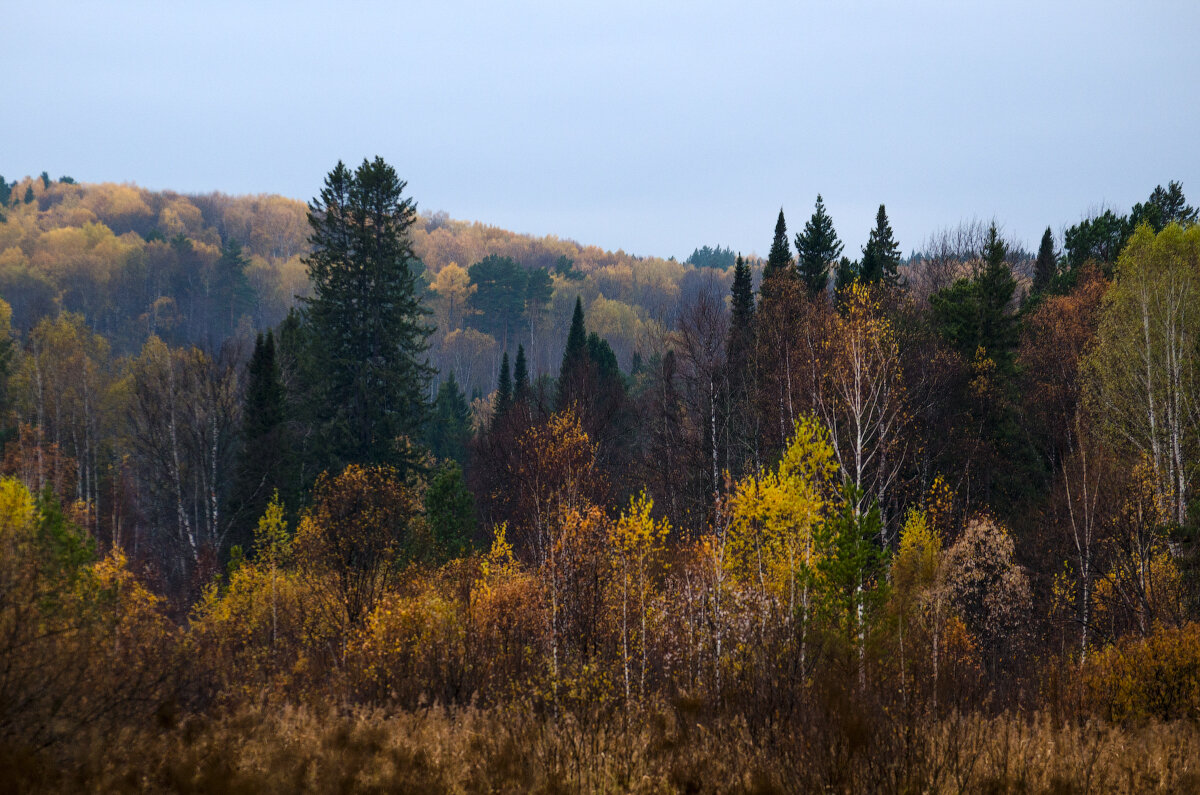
[{"x": 347, "y": 495}]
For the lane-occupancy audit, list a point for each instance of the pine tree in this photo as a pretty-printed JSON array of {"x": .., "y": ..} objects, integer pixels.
[
  {"x": 1165, "y": 206},
  {"x": 779, "y": 260},
  {"x": 368, "y": 325},
  {"x": 817, "y": 249},
  {"x": 504, "y": 390},
  {"x": 520, "y": 377},
  {"x": 450, "y": 425},
  {"x": 881, "y": 255},
  {"x": 29, "y": 194},
  {"x": 1046, "y": 265}
]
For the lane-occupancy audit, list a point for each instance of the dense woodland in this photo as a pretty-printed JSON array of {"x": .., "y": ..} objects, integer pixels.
[{"x": 346, "y": 496}]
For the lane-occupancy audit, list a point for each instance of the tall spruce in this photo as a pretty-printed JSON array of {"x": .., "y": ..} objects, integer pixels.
[
  {"x": 575, "y": 356},
  {"x": 504, "y": 390},
  {"x": 741, "y": 321},
  {"x": 881, "y": 256},
  {"x": 1046, "y": 265},
  {"x": 520, "y": 377},
  {"x": 740, "y": 373},
  {"x": 779, "y": 260},
  {"x": 817, "y": 249},
  {"x": 368, "y": 325},
  {"x": 263, "y": 466}
]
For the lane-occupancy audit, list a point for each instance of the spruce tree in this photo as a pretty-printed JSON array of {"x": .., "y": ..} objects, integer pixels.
[
  {"x": 739, "y": 354},
  {"x": 741, "y": 322},
  {"x": 881, "y": 255},
  {"x": 574, "y": 356},
  {"x": 817, "y": 249},
  {"x": 264, "y": 463},
  {"x": 368, "y": 325},
  {"x": 520, "y": 377},
  {"x": 973, "y": 313},
  {"x": 779, "y": 260},
  {"x": 847, "y": 273},
  {"x": 998, "y": 331},
  {"x": 1046, "y": 265},
  {"x": 29, "y": 194},
  {"x": 450, "y": 425},
  {"x": 504, "y": 390},
  {"x": 450, "y": 510}
]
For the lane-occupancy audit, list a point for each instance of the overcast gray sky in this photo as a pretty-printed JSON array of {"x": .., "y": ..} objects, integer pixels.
[{"x": 652, "y": 127}]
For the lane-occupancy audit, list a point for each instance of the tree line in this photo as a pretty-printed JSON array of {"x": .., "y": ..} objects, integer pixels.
[{"x": 825, "y": 499}]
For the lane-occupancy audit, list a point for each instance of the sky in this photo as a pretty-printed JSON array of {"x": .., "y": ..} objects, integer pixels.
[{"x": 653, "y": 127}]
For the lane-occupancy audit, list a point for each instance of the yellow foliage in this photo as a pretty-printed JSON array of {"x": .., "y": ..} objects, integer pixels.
[
  {"x": 259, "y": 631},
  {"x": 916, "y": 565},
  {"x": 773, "y": 537},
  {"x": 16, "y": 511},
  {"x": 1153, "y": 677}
]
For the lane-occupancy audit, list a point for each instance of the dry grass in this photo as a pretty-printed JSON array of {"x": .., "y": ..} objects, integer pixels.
[{"x": 670, "y": 749}]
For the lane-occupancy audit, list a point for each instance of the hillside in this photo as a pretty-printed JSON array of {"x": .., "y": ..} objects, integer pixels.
[{"x": 136, "y": 262}]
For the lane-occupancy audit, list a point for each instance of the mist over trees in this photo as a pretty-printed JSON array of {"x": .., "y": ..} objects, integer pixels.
[{"x": 835, "y": 523}]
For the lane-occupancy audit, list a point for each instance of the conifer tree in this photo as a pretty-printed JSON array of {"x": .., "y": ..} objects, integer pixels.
[
  {"x": 817, "y": 249},
  {"x": 741, "y": 324},
  {"x": 1045, "y": 266},
  {"x": 739, "y": 355},
  {"x": 368, "y": 325},
  {"x": 973, "y": 313},
  {"x": 231, "y": 293},
  {"x": 504, "y": 390},
  {"x": 520, "y": 377},
  {"x": 29, "y": 194},
  {"x": 450, "y": 510},
  {"x": 574, "y": 355},
  {"x": 881, "y": 255},
  {"x": 779, "y": 260},
  {"x": 263, "y": 465},
  {"x": 847, "y": 272},
  {"x": 450, "y": 425}
]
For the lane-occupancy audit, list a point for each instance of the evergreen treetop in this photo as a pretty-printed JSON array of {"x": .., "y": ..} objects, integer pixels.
[
  {"x": 779, "y": 260},
  {"x": 881, "y": 255},
  {"x": 368, "y": 324},
  {"x": 520, "y": 376},
  {"x": 504, "y": 390},
  {"x": 741, "y": 322},
  {"x": 1046, "y": 265},
  {"x": 817, "y": 249}
]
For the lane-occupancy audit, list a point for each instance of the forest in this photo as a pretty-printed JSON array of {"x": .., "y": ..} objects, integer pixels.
[{"x": 343, "y": 495}]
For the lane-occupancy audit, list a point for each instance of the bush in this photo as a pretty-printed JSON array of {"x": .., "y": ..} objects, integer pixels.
[{"x": 1153, "y": 677}]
